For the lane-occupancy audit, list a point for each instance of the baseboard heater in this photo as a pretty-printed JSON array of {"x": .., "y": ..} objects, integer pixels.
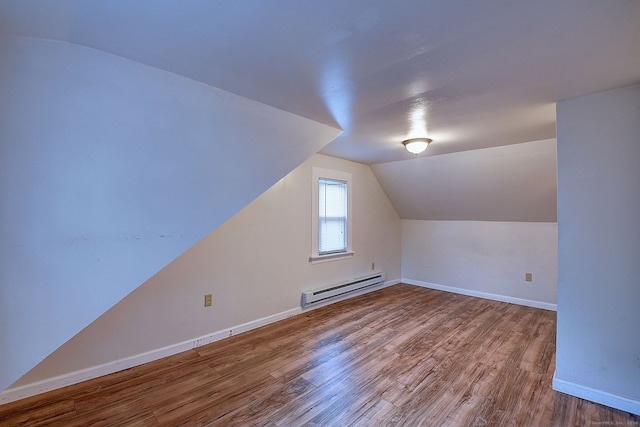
[{"x": 339, "y": 289}]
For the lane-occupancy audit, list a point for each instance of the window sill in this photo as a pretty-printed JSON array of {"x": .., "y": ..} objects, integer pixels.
[{"x": 316, "y": 259}]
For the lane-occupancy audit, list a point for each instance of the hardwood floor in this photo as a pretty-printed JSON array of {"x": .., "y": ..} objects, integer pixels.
[{"x": 403, "y": 355}]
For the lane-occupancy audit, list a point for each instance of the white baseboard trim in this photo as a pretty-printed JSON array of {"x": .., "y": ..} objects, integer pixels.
[
  {"x": 597, "y": 396},
  {"x": 495, "y": 297},
  {"x": 28, "y": 390}
]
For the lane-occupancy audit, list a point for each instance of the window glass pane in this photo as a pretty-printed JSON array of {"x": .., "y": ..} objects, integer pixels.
[{"x": 332, "y": 216}]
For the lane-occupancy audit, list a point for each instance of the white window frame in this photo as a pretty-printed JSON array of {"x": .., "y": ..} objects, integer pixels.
[{"x": 316, "y": 174}]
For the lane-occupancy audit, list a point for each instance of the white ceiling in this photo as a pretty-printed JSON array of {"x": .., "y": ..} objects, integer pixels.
[{"x": 469, "y": 74}]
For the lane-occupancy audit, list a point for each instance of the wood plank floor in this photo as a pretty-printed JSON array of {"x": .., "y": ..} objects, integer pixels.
[{"x": 402, "y": 355}]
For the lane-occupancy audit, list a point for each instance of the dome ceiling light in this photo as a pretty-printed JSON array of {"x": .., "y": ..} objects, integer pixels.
[{"x": 416, "y": 145}]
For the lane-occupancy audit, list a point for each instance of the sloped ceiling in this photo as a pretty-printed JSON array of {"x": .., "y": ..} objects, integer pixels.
[
  {"x": 510, "y": 183},
  {"x": 109, "y": 170},
  {"x": 468, "y": 74}
]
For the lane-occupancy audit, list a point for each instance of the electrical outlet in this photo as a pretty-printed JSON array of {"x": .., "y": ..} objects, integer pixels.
[
  {"x": 373, "y": 265},
  {"x": 528, "y": 277},
  {"x": 208, "y": 300}
]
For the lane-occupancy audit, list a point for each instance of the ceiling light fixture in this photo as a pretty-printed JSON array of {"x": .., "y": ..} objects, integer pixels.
[{"x": 416, "y": 145}]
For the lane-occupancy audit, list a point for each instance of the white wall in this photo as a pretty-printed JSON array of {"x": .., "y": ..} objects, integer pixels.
[
  {"x": 109, "y": 170},
  {"x": 255, "y": 265},
  {"x": 483, "y": 258},
  {"x": 598, "y": 345}
]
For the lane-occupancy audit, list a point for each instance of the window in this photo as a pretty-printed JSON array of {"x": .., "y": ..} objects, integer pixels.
[{"x": 331, "y": 215}]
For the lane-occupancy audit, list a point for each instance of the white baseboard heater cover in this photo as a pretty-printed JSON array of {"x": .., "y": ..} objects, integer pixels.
[{"x": 319, "y": 295}]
